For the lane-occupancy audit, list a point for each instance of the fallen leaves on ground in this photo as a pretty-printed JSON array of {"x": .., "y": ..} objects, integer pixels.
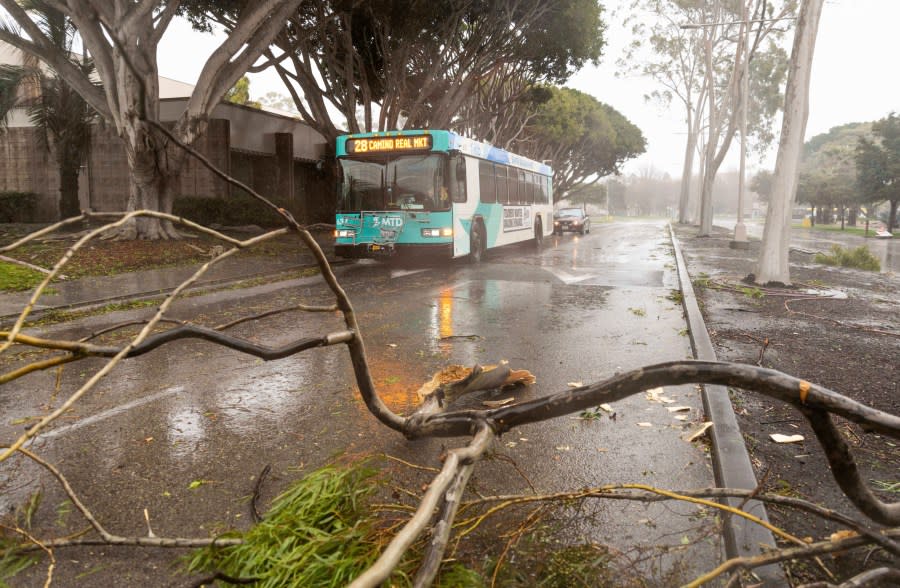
[{"x": 779, "y": 438}]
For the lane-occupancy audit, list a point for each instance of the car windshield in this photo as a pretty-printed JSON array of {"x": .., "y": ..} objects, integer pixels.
[
  {"x": 577, "y": 212},
  {"x": 409, "y": 182}
]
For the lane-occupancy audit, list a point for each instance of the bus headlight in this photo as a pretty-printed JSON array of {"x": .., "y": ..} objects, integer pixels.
[
  {"x": 345, "y": 233},
  {"x": 445, "y": 232}
]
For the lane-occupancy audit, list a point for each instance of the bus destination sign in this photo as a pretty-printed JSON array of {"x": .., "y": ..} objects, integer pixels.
[{"x": 388, "y": 144}]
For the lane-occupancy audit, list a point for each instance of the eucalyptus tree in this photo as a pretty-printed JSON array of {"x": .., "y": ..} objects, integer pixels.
[
  {"x": 695, "y": 51},
  {"x": 63, "y": 119},
  {"x": 878, "y": 165},
  {"x": 122, "y": 37},
  {"x": 675, "y": 63},
  {"x": 389, "y": 64},
  {"x": 772, "y": 265}
]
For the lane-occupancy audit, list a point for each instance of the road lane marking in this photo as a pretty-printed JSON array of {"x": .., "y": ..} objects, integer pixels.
[{"x": 114, "y": 411}]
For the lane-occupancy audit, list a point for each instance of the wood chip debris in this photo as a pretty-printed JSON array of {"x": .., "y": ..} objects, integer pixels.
[
  {"x": 697, "y": 432},
  {"x": 575, "y": 384},
  {"x": 607, "y": 408},
  {"x": 456, "y": 372},
  {"x": 656, "y": 395},
  {"x": 779, "y": 438},
  {"x": 678, "y": 408},
  {"x": 645, "y": 424}
]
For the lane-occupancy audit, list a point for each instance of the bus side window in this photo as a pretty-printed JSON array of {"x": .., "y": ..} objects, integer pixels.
[
  {"x": 500, "y": 178},
  {"x": 523, "y": 197},
  {"x": 513, "y": 186},
  {"x": 542, "y": 186},
  {"x": 528, "y": 185},
  {"x": 458, "y": 178},
  {"x": 486, "y": 181}
]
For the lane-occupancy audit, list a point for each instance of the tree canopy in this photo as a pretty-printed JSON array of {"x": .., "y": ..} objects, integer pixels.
[
  {"x": 583, "y": 138},
  {"x": 878, "y": 165},
  {"x": 122, "y": 37},
  {"x": 391, "y": 64},
  {"x": 828, "y": 170}
]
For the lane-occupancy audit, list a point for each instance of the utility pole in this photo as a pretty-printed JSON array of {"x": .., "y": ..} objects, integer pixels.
[{"x": 740, "y": 230}]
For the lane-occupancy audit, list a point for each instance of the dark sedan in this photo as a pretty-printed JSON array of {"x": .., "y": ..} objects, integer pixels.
[{"x": 571, "y": 219}]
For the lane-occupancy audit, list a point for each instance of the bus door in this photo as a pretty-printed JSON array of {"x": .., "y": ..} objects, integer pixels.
[{"x": 464, "y": 193}]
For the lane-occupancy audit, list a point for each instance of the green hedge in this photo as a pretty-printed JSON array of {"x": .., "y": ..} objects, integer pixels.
[
  {"x": 236, "y": 210},
  {"x": 17, "y": 207}
]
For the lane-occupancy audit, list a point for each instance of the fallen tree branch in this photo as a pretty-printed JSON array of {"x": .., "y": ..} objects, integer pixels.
[
  {"x": 876, "y": 577},
  {"x": 25, "y": 264},
  {"x": 835, "y": 321},
  {"x": 188, "y": 331},
  {"x": 390, "y": 557},
  {"x": 811, "y": 550},
  {"x": 613, "y": 492},
  {"x": 137, "y": 340},
  {"x": 107, "y": 538}
]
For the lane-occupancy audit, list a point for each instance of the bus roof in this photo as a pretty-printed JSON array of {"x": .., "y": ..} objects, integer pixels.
[{"x": 443, "y": 141}]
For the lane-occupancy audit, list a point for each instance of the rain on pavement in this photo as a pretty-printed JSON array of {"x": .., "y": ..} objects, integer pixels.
[{"x": 579, "y": 310}]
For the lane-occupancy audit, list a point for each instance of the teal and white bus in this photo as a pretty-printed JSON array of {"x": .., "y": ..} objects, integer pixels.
[{"x": 437, "y": 193}]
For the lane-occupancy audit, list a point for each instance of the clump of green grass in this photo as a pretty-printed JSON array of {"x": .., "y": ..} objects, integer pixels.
[
  {"x": 860, "y": 258},
  {"x": 751, "y": 292},
  {"x": 13, "y": 559},
  {"x": 676, "y": 296},
  {"x": 317, "y": 533},
  {"x": 15, "y": 278},
  {"x": 702, "y": 280}
]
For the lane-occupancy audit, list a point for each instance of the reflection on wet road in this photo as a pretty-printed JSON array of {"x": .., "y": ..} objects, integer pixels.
[{"x": 579, "y": 310}]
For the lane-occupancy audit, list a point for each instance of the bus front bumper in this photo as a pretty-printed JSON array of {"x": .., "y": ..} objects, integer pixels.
[{"x": 376, "y": 251}]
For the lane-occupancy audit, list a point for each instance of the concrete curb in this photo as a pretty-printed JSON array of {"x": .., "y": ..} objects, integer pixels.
[{"x": 731, "y": 462}]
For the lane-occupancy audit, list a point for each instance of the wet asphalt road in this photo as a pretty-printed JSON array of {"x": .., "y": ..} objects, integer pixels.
[{"x": 578, "y": 310}]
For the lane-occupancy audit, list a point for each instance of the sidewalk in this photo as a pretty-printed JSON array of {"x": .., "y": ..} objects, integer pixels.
[{"x": 97, "y": 290}]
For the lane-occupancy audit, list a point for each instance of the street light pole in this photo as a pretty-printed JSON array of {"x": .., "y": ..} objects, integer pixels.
[{"x": 740, "y": 230}]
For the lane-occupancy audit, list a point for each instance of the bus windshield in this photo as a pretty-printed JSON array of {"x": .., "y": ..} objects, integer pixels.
[{"x": 407, "y": 182}]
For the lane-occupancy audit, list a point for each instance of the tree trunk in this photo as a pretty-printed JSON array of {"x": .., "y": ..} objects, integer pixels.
[
  {"x": 892, "y": 216},
  {"x": 152, "y": 173},
  {"x": 687, "y": 173},
  {"x": 68, "y": 191},
  {"x": 773, "y": 265}
]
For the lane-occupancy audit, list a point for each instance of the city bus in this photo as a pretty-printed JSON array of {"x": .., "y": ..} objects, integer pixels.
[{"x": 436, "y": 193}]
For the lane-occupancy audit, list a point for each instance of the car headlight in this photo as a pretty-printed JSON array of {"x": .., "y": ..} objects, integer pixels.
[{"x": 344, "y": 233}]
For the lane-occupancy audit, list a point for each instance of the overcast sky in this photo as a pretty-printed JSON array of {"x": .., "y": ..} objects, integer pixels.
[{"x": 854, "y": 76}]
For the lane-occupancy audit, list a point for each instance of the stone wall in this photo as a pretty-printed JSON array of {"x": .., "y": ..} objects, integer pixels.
[
  {"x": 27, "y": 166},
  {"x": 107, "y": 180}
]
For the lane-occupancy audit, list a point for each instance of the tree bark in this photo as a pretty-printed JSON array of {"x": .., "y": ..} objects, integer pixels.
[
  {"x": 773, "y": 265},
  {"x": 687, "y": 173}
]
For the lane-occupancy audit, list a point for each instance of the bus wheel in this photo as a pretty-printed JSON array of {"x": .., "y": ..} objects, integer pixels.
[
  {"x": 538, "y": 233},
  {"x": 476, "y": 243}
]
